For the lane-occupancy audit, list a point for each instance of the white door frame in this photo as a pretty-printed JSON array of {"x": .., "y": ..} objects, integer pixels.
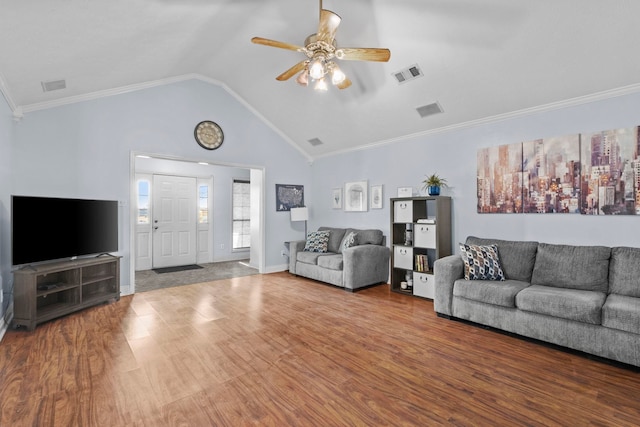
[{"x": 257, "y": 240}]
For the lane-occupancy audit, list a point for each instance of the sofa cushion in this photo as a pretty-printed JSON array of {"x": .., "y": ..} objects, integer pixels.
[
  {"x": 574, "y": 267},
  {"x": 481, "y": 262},
  {"x": 624, "y": 272},
  {"x": 516, "y": 258},
  {"x": 349, "y": 240},
  {"x": 501, "y": 293},
  {"x": 332, "y": 262},
  {"x": 335, "y": 238},
  {"x": 573, "y": 304},
  {"x": 622, "y": 312},
  {"x": 368, "y": 237},
  {"x": 309, "y": 257},
  {"x": 317, "y": 241}
]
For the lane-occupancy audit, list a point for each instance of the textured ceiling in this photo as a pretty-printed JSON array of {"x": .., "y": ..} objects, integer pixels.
[{"x": 480, "y": 59}]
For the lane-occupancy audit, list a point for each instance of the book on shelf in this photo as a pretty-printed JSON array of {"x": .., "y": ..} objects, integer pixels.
[
  {"x": 422, "y": 263},
  {"x": 426, "y": 221}
]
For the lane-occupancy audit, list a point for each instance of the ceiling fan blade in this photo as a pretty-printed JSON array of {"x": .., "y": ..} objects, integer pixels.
[
  {"x": 274, "y": 43},
  {"x": 363, "y": 54},
  {"x": 328, "y": 26},
  {"x": 344, "y": 84},
  {"x": 292, "y": 71}
]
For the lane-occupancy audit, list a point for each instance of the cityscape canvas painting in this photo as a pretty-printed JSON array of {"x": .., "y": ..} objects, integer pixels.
[
  {"x": 551, "y": 175},
  {"x": 611, "y": 172},
  {"x": 595, "y": 173},
  {"x": 500, "y": 179}
]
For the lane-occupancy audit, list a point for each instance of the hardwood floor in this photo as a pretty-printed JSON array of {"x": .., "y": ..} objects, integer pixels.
[{"x": 277, "y": 350}]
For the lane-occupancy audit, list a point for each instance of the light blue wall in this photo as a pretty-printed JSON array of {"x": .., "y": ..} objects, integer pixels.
[
  {"x": 6, "y": 136},
  {"x": 83, "y": 149},
  {"x": 452, "y": 154}
]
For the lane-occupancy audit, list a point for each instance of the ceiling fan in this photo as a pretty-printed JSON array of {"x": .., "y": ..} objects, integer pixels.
[{"x": 321, "y": 49}]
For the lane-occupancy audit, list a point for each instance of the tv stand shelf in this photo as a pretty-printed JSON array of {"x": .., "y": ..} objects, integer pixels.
[{"x": 45, "y": 292}]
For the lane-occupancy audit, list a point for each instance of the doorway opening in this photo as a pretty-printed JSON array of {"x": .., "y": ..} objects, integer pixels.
[{"x": 163, "y": 235}]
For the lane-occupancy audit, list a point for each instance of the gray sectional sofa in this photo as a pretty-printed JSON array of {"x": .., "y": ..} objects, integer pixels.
[
  {"x": 585, "y": 298},
  {"x": 365, "y": 264}
]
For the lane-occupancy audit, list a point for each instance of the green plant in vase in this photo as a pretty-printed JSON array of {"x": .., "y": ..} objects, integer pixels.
[{"x": 433, "y": 183}]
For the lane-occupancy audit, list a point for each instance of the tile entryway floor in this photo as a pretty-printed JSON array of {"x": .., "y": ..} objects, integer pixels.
[{"x": 149, "y": 280}]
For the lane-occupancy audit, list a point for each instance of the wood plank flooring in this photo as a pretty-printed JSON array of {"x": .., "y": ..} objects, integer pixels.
[{"x": 276, "y": 350}]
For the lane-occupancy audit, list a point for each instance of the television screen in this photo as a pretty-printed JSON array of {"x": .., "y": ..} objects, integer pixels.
[{"x": 47, "y": 228}]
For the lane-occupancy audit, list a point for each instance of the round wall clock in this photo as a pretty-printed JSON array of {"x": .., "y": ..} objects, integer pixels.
[{"x": 208, "y": 134}]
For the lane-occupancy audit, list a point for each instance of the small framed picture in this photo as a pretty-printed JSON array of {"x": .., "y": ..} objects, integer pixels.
[
  {"x": 376, "y": 197},
  {"x": 289, "y": 196},
  {"x": 405, "y": 191},
  {"x": 336, "y": 198},
  {"x": 355, "y": 196}
]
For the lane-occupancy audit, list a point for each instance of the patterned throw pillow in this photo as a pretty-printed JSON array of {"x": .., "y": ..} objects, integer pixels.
[
  {"x": 481, "y": 262},
  {"x": 317, "y": 241},
  {"x": 349, "y": 240}
]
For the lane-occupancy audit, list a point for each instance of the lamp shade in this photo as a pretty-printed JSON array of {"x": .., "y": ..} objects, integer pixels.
[{"x": 299, "y": 214}]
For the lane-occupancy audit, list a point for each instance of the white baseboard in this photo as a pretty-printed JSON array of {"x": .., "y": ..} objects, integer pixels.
[
  {"x": 276, "y": 268},
  {"x": 232, "y": 257}
]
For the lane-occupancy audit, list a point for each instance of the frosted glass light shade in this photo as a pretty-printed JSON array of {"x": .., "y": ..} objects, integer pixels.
[
  {"x": 321, "y": 86},
  {"x": 317, "y": 69}
]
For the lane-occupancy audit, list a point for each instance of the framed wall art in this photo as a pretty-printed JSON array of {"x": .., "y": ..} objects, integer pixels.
[
  {"x": 376, "y": 197},
  {"x": 356, "y": 196},
  {"x": 289, "y": 196},
  {"x": 336, "y": 198}
]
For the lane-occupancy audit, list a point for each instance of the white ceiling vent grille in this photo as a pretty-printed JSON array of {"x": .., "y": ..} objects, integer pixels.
[
  {"x": 53, "y": 85},
  {"x": 408, "y": 74},
  {"x": 429, "y": 110},
  {"x": 315, "y": 142}
]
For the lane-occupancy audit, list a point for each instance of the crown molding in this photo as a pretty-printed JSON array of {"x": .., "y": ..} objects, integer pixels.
[
  {"x": 19, "y": 111},
  {"x": 256, "y": 113},
  {"x": 155, "y": 83},
  {"x": 572, "y": 102},
  {"x": 104, "y": 93},
  {"x": 16, "y": 110}
]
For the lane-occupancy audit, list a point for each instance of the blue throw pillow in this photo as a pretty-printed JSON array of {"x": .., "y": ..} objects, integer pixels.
[
  {"x": 481, "y": 262},
  {"x": 317, "y": 241}
]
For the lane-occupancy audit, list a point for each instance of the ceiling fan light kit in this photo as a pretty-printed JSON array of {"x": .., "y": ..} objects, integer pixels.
[{"x": 321, "y": 50}]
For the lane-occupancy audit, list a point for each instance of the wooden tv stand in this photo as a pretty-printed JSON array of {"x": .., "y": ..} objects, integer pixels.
[{"x": 47, "y": 291}]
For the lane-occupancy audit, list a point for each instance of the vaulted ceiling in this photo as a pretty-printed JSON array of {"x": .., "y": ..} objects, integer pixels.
[{"x": 480, "y": 60}]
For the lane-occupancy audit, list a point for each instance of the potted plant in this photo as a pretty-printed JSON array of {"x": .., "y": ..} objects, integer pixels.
[{"x": 433, "y": 183}]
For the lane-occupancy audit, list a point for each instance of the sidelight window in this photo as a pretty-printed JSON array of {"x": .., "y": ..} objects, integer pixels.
[{"x": 143, "y": 201}]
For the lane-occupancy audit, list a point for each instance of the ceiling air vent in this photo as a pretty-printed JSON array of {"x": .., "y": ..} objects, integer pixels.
[
  {"x": 53, "y": 85},
  {"x": 315, "y": 142},
  {"x": 408, "y": 74},
  {"x": 429, "y": 110}
]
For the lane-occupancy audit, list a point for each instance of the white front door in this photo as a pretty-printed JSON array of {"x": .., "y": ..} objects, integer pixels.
[{"x": 174, "y": 221}]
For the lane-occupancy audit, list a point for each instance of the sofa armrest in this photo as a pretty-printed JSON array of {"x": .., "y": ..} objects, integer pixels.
[
  {"x": 365, "y": 265},
  {"x": 446, "y": 271},
  {"x": 294, "y": 247}
]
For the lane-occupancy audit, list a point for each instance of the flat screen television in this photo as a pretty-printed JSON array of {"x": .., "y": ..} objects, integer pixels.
[{"x": 48, "y": 228}]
